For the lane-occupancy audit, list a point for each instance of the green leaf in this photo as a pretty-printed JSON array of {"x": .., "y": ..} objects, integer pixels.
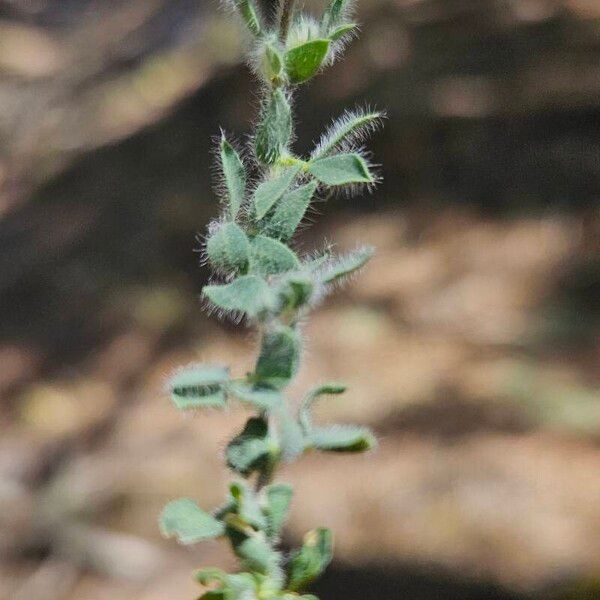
[
  {"x": 250, "y": 15},
  {"x": 332, "y": 15},
  {"x": 228, "y": 248},
  {"x": 341, "y": 169},
  {"x": 311, "y": 397},
  {"x": 288, "y": 212},
  {"x": 345, "y": 265},
  {"x": 241, "y": 586},
  {"x": 251, "y": 449},
  {"x": 279, "y": 356},
  {"x": 292, "y": 440},
  {"x": 248, "y": 508},
  {"x": 274, "y": 129},
  {"x": 184, "y": 520},
  {"x": 343, "y": 438},
  {"x": 234, "y": 174},
  {"x": 349, "y": 129},
  {"x": 262, "y": 398},
  {"x": 199, "y": 386},
  {"x": 248, "y": 294},
  {"x": 271, "y": 190},
  {"x": 311, "y": 560},
  {"x": 210, "y": 575},
  {"x": 303, "y": 62},
  {"x": 256, "y": 554},
  {"x": 337, "y": 33},
  {"x": 279, "y": 498},
  {"x": 295, "y": 290},
  {"x": 327, "y": 389},
  {"x": 271, "y": 257}
]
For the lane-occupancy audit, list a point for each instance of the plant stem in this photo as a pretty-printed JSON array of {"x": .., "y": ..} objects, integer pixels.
[{"x": 287, "y": 9}]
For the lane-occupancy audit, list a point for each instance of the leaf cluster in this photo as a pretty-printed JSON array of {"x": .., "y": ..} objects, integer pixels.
[{"x": 260, "y": 277}]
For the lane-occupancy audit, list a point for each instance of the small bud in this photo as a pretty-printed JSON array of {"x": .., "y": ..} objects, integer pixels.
[
  {"x": 295, "y": 290},
  {"x": 247, "y": 506},
  {"x": 273, "y": 64},
  {"x": 312, "y": 559},
  {"x": 275, "y": 128}
]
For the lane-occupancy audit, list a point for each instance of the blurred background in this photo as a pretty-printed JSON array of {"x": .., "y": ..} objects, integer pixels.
[{"x": 470, "y": 344}]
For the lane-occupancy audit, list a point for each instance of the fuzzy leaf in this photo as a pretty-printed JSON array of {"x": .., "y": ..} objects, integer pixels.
[
  {"x": 311, "y": 560},
  {"x": 256, "y": 554},
  {"x": 294, "y": 290},
  {"x": 228, "y": 248},
  {"x": 247, "y": 294},
  {"x": 275, "y": 128},
  {"x": 241, "y": 586},
  {"x": 271, "y": 257},
  {"x": 351, "y": 128},
  {"x": 250, "y": 15},
  {"x": 332, "y": 15},
  {"x": 271, "y": 190},
  {"x": 186, "y": 521},
  {"x": 345, "y": 265},
  {"x": 199, "y": 387},
  {"x": 337, "y": 33},
  {"x": 292, "y": 440},
  {"x": 247, "y": 505},
  {"x": 289, "y": 212},
  {"x": 210, "y": 575},
  {"x": 343, "y": 438},
  {"x": 279, "y": 356},
  {"x": 250, "y": 450},
  {"x": 279, "y": 497},
  {"x": 303, "y": 62},
  {"x": 341, "y": 169},
  {"x": 327, "y": 389},
  {"x": 262, "y": 398},
  {"x": 311, "y": 397},
  {"x": 234, "y": 173}
]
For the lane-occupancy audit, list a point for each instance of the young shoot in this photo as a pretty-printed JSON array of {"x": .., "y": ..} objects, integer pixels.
[{"x": 260, "y": 279}]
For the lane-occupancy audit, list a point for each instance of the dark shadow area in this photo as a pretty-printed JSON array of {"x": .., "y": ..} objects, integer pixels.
[
  {"x": 452, "y": 418},
  {"x": 399, "y": 582}
]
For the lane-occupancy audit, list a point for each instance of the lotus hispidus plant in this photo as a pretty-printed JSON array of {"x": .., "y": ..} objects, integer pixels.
[{"x": 266, "y": 192}]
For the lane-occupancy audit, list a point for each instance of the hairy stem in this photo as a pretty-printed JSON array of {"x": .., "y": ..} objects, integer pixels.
[{"x": 286, "y": 10}]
